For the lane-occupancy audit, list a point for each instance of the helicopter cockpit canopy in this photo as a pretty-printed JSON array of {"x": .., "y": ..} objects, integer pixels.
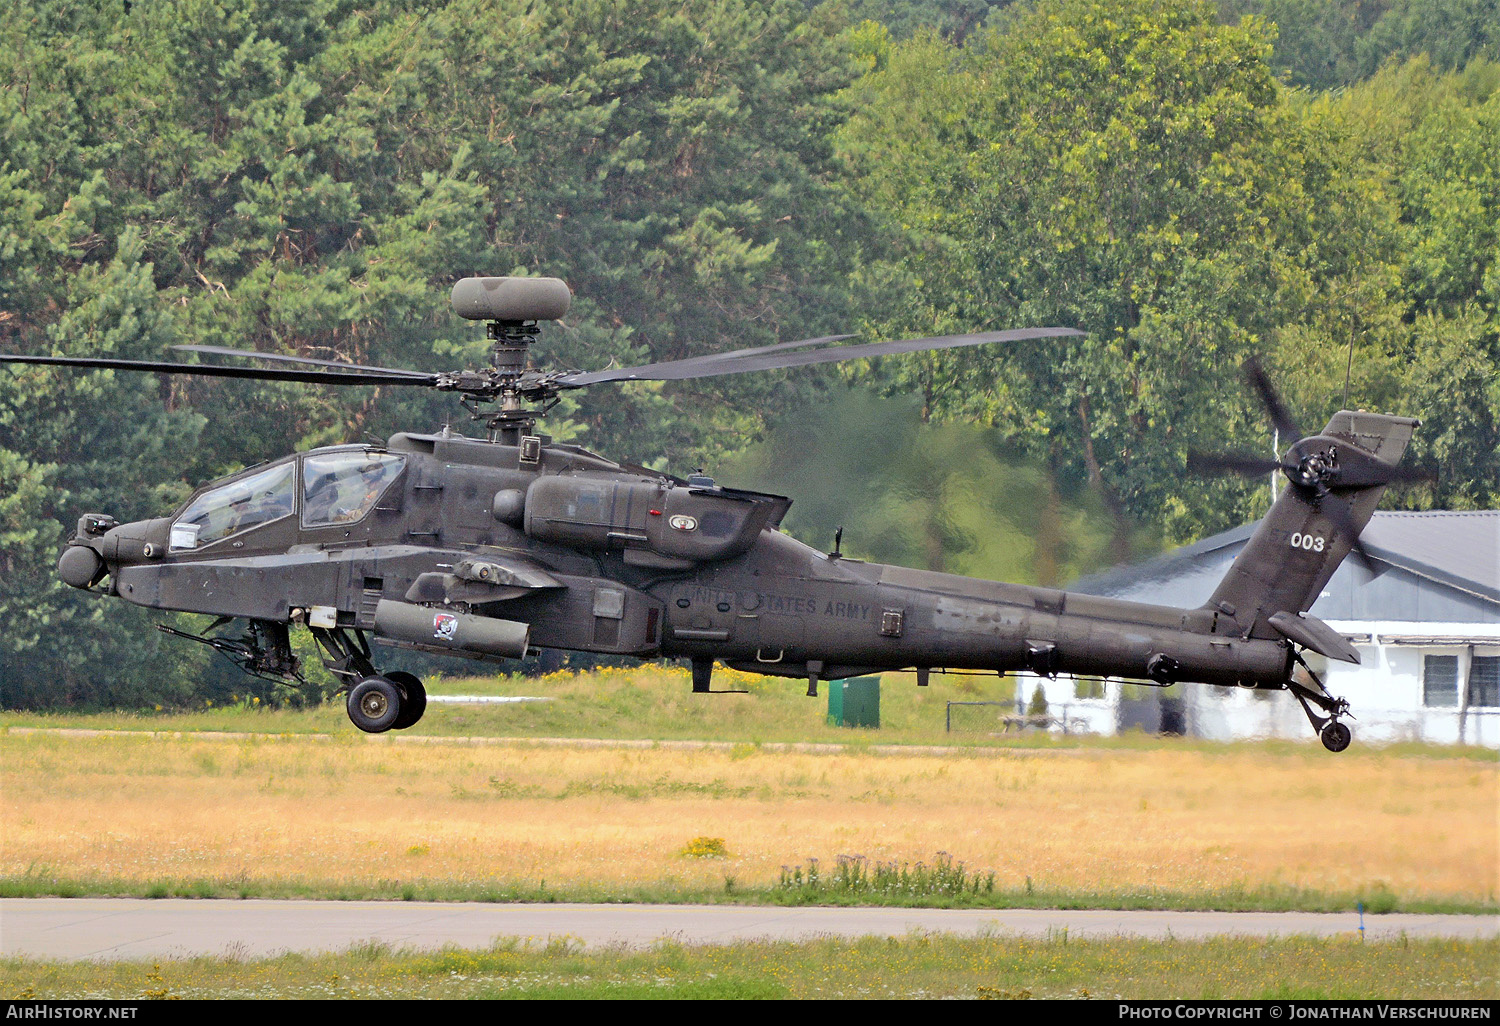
[
  {"x": 342, "y": 487},
  {"x": 246, "y": 502},
  {"x": 338, "y": 487}
]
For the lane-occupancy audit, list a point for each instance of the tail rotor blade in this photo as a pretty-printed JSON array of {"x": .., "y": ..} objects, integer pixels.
[
  {"x": 1230, "y": 463},
  {"x": 1360, "y": 470},
  {"x": 1273, "y": 404}
]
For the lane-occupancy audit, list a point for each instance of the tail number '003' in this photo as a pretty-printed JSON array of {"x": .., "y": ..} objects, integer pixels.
[{"x": 1310, "y": 542}]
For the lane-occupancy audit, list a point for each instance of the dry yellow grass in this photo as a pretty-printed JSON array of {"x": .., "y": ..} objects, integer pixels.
[{"x": 365, "y": 811}]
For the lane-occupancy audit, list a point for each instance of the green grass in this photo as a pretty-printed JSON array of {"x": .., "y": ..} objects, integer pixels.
[
  {"x": 655, "y": 703},
  {"x": 652, "y": 702},
  {"x": 41, "y": 883},
  {"x": 915, "y": 966}
]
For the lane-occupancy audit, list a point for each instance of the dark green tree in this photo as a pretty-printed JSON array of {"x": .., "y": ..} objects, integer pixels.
[
  {"x": 1451, "y": 33},
  {"x": 1130, "y": 169},
  {"x": 1431, "y": 136},
  {"x": 311, "y": 178},
  {"x": 1317, "y": 41},
  {"x": 75, "y": 443},
  {"x": 955, "y": 20},
  {"x": 1326, "y": 44}
]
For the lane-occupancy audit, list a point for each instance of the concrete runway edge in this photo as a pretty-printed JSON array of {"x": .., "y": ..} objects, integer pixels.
[{"x": 131, "y": 928}]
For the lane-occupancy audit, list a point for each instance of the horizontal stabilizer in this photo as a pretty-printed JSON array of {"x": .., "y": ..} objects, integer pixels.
[{"x": 1310, "y": 632}]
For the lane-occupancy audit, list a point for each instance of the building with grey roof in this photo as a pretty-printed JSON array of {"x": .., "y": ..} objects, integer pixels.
[{"x": 1426, "y": 624}]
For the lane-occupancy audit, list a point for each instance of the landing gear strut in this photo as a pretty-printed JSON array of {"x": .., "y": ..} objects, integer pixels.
[
  {"x": 703, "y": 672},
  {"x": 375, "y": 703},
  {"x": 1334, "y": 733}
]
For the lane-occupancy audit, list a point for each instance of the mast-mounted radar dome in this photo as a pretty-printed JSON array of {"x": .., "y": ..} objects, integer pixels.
[{"x": 511, "y": 299}]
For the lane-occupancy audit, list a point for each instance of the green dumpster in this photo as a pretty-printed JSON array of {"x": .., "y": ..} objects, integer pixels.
[{"x": 854, "y": 702}]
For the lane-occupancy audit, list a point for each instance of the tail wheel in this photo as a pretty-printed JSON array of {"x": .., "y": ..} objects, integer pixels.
[
  {"x": 413, "y": 701},
  {"x": 1335, "y": 736},
  {"x": 374, "y": 705}
]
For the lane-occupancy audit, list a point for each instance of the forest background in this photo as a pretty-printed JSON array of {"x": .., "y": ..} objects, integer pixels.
[{"x": 1316, "y": 182}]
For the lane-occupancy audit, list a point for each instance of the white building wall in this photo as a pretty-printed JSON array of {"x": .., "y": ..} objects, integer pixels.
[
  {"x": 1385, "y": 691},
  {"x": 1243, "y": 714},
  {"x": 1069, "y": 713}
]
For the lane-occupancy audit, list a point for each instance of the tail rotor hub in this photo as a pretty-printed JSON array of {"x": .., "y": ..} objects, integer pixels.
[{"x": 1319, "y": 467}]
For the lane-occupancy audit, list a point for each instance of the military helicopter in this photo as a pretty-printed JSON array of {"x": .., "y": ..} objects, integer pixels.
[{"x": 486, "y": 547}]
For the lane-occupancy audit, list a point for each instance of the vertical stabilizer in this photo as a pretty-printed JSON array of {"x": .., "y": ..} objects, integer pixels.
[{"x": 1315, "y": 521}]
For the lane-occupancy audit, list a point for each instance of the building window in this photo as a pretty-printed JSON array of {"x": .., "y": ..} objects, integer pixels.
[
  {"x": 1088, "y": 687},
  {"x": 1440, "y": 680},
  {"x": 1484, "y": 681}
]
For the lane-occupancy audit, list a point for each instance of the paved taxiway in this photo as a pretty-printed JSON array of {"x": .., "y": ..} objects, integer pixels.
[{"x": 130, "y": 928}]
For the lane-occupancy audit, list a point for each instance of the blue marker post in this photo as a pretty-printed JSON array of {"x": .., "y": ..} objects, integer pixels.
[{"x": 1361, "y": 906}]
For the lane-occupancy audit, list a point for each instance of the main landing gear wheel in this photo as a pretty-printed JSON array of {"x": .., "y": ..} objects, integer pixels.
[
  {"x": 374, "y": 705},
  {"x": 1332, "y": 731},
  {"x": 1335, "y": 736},
  {"x": 413, "y": 698}
]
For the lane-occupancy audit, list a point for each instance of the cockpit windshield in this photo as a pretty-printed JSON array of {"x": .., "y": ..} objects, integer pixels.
[
  {"x": 341, "y": 487},
  {"x": 238, "y": 506}
]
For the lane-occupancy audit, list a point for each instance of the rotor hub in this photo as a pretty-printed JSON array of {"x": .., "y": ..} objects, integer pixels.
[
  {"x": 509, "y": 341},
  {"x": 1318, "y": 467}
]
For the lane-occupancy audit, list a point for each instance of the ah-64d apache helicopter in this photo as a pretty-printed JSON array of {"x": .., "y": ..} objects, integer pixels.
[{"x": 486, "y": 547}]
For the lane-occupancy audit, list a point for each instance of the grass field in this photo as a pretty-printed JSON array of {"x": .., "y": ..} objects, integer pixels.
[
  {"x": 536, "y": 802},
  {"x": 645, "y": 702},
  {"x": 911, "y": 967},
  {"x": 1124, "y": 823},
  {"x": 655, "y": 702}
]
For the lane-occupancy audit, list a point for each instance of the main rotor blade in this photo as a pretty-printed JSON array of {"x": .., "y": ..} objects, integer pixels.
[
  {"x": 1279, "y": 415},
  {"x": 805, "y": 343},
  {"x": 768, "y": 357},
  {"x": 214, "y": 371},
  {"x": 254, "y": 355},
  {"x": 630, "y": 373}
]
